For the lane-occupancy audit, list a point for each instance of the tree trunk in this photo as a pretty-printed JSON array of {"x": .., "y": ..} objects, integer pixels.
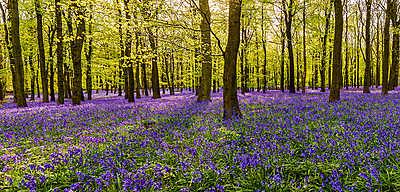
[
  {"x": 59, "y": 52},
  {"x": 37, "y": 81},
  {"x": 324, "y": 42},
  {"x": 337, "y": 52},
  {"x": 128, "y": 49},
  {"x": 172, "y": 63},
  {"x": 144, "y": 80},
  {"x": 51, "y": 62},
  {"x": 9, "y": 49},
  {"x": 378, "y": 61},
  {"x": 89, "y": 58},
  {"x": 76, "y": 52},
  {"x": 346, "y": 67},
  {"x": 304, "y": 49},
  {"x": 368, "y": 46},
  {"x": 289, "y": 13},
  {"x": 206, "y": 59},
  {"x": 386, "y": 48},
  {"x": 283, "y": 62},
  {"x": 17, "y": 53},
  {"x": 138, "y": 63},
  {"x": 155, "y": 80},
  {"x": 42, "y": 58},
  {"x": 33, "y": 77},
  {"x": 2, "y": 78},
  {"x": 394, "y": 69},
  {"x": 230, "y": 99}
]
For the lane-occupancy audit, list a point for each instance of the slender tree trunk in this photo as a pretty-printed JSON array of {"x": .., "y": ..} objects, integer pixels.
[
  {"x": 33, "y": 77},
  {"x": 394, "y": 69},
  {"x": 42, "y": 58},
  {"x": 297, "y": 69},
  {"x": 144, "y": 80},
  {"x": 9, "y": 49},
  {"x": 368, "y": 46},
  {"x": 51, "y": 62},
  {"x": 59, "y": 52},
  {"x": 128, "y": 50},
  {"x": 138, "y": 64},
  {"x": 37, "y": 81},
  {"x": 330, "y": 66},
  {"x": 324, "y": 42},
  {"x": 231, "y": 102},
  {"x": 17, "y": 53},
  {"x": 206, "y": 60},
  {"x": 304, "y": 49},
  {"x": 172, "y": 63},
  {"x": 89, "y": 57},
  {"x": 2, "y": 78},
  {"x": 283, "y": 62},
  {"x": 288, "y": 20},
  {"x": 337, "y": 52},
  {"x": 386, "y": 48},
  {"x": 155, "y": 80},
  {"x": 346, "y": 67},
  {"x": 378, "y": 61}
]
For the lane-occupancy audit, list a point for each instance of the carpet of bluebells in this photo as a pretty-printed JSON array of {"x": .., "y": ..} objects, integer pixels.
[{"x": 283, "y": 143}]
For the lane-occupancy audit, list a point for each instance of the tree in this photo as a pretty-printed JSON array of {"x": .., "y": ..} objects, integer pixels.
[
  {"x": 9, "y": 48},
  {"x": 337, "y": 52},
  {"x": 51, "y": 34},
  {"x": 304, "y": 49},
  {"x": 76, "y": 51},
  {"x": 42, "y": 57},
  {"x": 230, "y": 99},
  {"x": 128, "y": 50},
  {"x": 17, "y": 53},
  {"x": 59, "y": 51},
  {"x": 2, "y": 75},
  {"x": 89, "y": 57},
  {"x": 206, "y": 60},
  {"x": 324, "y": 42},
  {"x": 155, "y": 80},
  {"x": 386, "y": 48},
  {"x": 289, "y": 14},
  {"x": 367, "y": 72},
  {"x": 394, "y": 69}
]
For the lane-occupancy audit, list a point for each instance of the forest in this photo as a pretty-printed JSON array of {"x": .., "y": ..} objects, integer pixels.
[{"x": 199, "y": 95}]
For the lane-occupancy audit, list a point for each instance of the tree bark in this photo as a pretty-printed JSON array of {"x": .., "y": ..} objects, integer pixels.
[
  {"x": 386, "y": 48},
  {"x": 206, "y": 59},
  {"x": 89, "y": 57},
  {"x": 368, "y": 49},
  {"x": 51, "y": 62},
  {"x": 378, "y": 61},
  {"x": 9, "y": 49},
  {"x": 2, "y": 78},
  {"x": 289, "y": 13},
  {"x": 337, "y": 52},
  {"x": 59, "y": 52},
  {"x": 172, "y": 65},
  {"x": 155, "y": 80},
  {"x": 230, "y": 99},
  {"x": 42, "y": 57},
  {"x": 304, "y": 49},
  {"x": 76, "y": 51},
  {"x": 324, "y": 42},
  {"x": 17, "y": 53},
  {"x": 394, "y": 69},
  {"x": 33, "y": 77},
  {"x": 128, "y": 50}
]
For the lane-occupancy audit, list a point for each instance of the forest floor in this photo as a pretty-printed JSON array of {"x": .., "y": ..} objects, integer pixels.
[{"x": 283, "y": 143}]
